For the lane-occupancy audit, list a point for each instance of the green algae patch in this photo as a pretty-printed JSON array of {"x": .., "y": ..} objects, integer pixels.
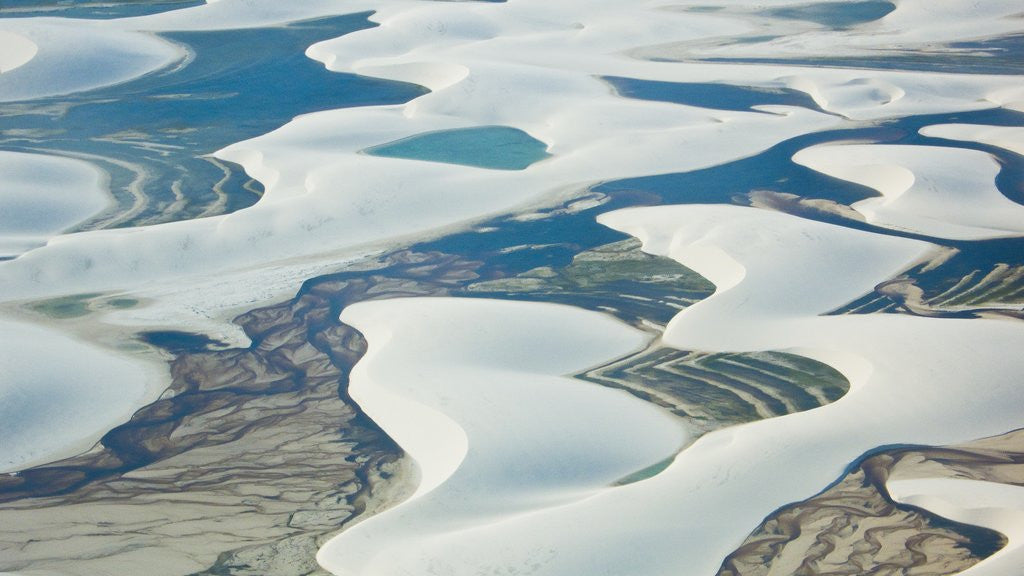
[
  {"x": 65, "y": 307},
  {"x": 649, "y": 472},
  {"x": 79, "y": 305}
]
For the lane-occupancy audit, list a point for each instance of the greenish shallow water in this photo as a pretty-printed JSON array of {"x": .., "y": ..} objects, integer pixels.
[
  {"x": 91, "y": 9},
  {"x": 493, "y": 147}
]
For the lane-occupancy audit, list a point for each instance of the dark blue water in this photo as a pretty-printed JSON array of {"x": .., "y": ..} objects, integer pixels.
[
  {"x": 835, "y": 15},
  {"x": 495, "y": 147},
  {"x": 714, "y": 96},
  {"x": 152, "y": 133}
]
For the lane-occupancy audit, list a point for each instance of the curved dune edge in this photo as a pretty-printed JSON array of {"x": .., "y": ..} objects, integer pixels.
[
  {"x": 978, "y": 482},
  {"x": 471, "y": 389},
  {"x": 60, "y": 394},
  {"x": 1008, "y": 137},
  {"x": 919, "y": 509},
  {"x": 792, "y": 271},
  {"x": 992, "y": 505},
  {"x": 940, "y": 192},
  {"x": 76, "y": 54},
  {"x": 17, "y": 50},
  {"x": 44, "y": 195},
  {"x": 79, "y": 55},
  {"x": 471, "y": 54}
]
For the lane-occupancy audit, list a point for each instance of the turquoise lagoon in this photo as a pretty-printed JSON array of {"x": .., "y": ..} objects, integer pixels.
[{"x": 494, "y": 147}]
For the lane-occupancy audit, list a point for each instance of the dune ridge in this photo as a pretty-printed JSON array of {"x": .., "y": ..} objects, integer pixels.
[
  {"x": 989, "y": 504},
  {"x": 790, "y": 271},
  {"x": 17, "y": 51},
  {"x": 44, "y": 196},
  {"x": 59, "y": 394},
  {"x": 940, "y": 192},
  {"x": 1008, "y": 137},
  {"x": 470, "y": 57},
  {"x": 470, "y": 389}
]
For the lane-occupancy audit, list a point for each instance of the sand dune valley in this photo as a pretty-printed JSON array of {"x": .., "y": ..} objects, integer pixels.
[{"x": 511, "y": 287}]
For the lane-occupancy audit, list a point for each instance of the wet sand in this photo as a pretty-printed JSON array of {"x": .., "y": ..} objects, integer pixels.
[{"x": 855, "y": 527}]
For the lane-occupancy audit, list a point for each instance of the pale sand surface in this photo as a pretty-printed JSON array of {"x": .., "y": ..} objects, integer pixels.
[
  {"x": 310, "y": 162},
  {"x": 15, "y": 50},
  {"x": 261, "y": 466},
  {"x": 470, "y": 61},
  {"x": 258, "y": 472},
  {"x": 989, "y": 504},
  {"x": 1008, "y": 137},
  {"x": 43, "y": 196},
  {"x": 775, "y": 274},
  {"x": 78, "y": 55},
  {"x": 940, "y": 192},
  {"x": 75, "y": 55},
  {"x": 58, "y": 395},
  {"x": 471, "y": 389}
]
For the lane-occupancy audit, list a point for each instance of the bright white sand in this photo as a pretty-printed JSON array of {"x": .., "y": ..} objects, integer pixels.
[
  {"x": 44, "y": 195},
  {"x": 940, "y": 192},
  {"x": 78, "y": 55},
  {"x": 58, "y": 395},
  {"x": 776, "y": 274},
  {"x": 473, "y": 390},
  {"x": 324, "y": 197},
  {"x": 15, "y": 50},
  {"x": 995, "y": 506},
  {"x": 1008, "y": 137}
]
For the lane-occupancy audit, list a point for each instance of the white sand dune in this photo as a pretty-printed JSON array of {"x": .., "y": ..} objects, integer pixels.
[
  {"x": 472, "y": 389},
  {"x": 776, "y": 275},
  {"x": 940, "y": 192},
  {"x": 78, "y": 55},
  {"x": 324, "y": 197},
  {"x": 321, "y": 193},
  {"x": 55, "y": 56},
  {"x": 58, "y": 395},
  {"x": 995, "y": 506},
  {"x": 1008, "y": 137},
  {"x": 15, "y": 50},
  {"x": 43, "y": 195}
]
